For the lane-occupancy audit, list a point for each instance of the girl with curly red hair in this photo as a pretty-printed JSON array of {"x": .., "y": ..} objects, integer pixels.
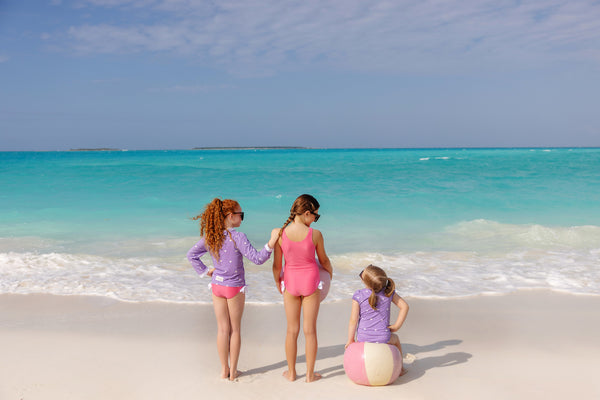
[{"x": 227, "y": 248}]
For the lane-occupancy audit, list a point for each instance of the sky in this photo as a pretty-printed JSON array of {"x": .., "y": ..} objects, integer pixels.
[{"x": 179, "y": 74}]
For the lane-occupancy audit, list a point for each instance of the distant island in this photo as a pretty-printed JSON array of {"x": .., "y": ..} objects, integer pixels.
[
  {"x": 250, "y": 148},
  {"x": 98, "y": 149},
  {"x": 209, "y": 148}
]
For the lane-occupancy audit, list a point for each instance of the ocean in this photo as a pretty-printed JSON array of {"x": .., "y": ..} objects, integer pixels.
[{"x": 442, "y": 222}]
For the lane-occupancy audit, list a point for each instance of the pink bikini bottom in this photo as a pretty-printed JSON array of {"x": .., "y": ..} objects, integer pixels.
[{"x": 226, "y": 292}]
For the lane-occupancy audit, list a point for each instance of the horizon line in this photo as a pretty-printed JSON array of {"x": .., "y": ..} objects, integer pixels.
[{"x": 218, "y": 148}]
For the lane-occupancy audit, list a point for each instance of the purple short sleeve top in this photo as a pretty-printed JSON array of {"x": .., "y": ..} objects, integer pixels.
[{"x": 373, "y": 324}]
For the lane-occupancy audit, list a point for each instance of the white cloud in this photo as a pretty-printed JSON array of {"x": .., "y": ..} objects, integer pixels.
[{"x": 253, "y": 35}]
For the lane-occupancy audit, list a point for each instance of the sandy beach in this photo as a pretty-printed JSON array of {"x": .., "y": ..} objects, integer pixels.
[{"x": 530, "y": 344}]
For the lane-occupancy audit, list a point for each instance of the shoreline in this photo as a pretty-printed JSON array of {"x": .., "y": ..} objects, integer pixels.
[
  {"x": 521, "y": 345},
  {"x": 98, "y": 299}
]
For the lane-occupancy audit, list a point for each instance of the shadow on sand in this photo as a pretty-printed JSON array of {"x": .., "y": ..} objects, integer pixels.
[
  {"x": 323, "y": 353},
  {"x": 415, "y": 370},
  {"x": 422, "y": 364}
]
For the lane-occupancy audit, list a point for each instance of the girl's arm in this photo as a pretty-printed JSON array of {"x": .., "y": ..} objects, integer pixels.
[
  {"x": 256, "y": 256},
  {"x": 194, "y": 255},
  {"x": 403, "y": 306},
  {"x": 321, "y": 254},
  {"x": 353, "y": 322},
  {"x": 277, "y": 262}
]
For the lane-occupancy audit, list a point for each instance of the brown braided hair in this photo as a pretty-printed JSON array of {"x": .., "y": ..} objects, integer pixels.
[
  {"x": 212, "y": 223},
  {"x": 303, "y": 203},
  {"x": 376, "y": 279}
]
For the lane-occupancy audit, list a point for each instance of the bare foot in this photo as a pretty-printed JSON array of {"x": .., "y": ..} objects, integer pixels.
[
  {"x": 316, "y": 376},
  {"x": 225, "y": 373},
  {"x": 289, "y": 376},
  {"x": 233, "y": 376},
  {"x": 409, "y": 358}
]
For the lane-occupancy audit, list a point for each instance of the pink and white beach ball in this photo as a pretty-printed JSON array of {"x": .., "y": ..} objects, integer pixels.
[
  {"x": 372, "y": 364},
  {"x": 326, "y": 279}
]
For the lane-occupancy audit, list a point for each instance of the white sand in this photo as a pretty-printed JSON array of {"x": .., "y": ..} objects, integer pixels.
[{"x": 527, "y": 345}]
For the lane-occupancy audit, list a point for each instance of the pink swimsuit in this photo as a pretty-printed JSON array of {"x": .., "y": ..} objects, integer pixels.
[{"x": 301, "y": 272}]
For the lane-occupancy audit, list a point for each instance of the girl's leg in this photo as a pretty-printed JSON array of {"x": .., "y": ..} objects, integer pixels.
[
  {"x": 236, "y": 309},
  {"x": 223, "y": 333},
  {"x": 293, "y": 306},
  {"x": 395, "y": 340},
  {"x": 310, "y": 306}
]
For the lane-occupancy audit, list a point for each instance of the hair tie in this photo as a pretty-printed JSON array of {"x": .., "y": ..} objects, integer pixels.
[{"x": 220, "y": 204}]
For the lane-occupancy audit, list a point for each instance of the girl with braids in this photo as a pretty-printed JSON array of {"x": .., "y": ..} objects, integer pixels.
[
  {"x": 370, "y": 318},
  {"x": 227, "y": 248},
  {"x": 301, "y": 285}
]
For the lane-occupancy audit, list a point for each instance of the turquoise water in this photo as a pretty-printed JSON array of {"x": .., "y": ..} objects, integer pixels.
[{"x": 444, "y": 222}]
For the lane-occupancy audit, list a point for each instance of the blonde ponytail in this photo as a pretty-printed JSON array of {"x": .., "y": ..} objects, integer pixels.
[{"x": 376, "y": 279}]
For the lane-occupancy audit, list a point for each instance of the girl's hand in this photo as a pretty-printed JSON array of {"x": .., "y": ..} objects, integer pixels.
[
  {"x": 210, "y": 272},
  {"x": 348, "y": 344},
  {"x": 393, "y": 328},
  {"x": 274, "y": 238}
]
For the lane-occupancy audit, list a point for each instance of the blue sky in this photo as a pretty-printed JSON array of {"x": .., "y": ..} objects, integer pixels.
[{"x": 177, "y": 74}]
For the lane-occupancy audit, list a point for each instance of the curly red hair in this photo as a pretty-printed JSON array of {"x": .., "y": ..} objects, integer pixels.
[{"x": 212, "y": 223}]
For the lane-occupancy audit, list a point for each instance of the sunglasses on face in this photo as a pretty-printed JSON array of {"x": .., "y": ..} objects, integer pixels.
[
  {"x": 361, "y": 272},
  {"x": 241, "y": 214},
  {"x": 317, "y": 216}
]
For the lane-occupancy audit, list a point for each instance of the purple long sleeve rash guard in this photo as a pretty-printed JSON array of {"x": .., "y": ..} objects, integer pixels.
[{"x": 229, "y": 269}]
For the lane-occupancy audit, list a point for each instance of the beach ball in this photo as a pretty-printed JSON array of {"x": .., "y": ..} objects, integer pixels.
[
  {"x": 326, "y": 279},
  {"x": 372, "y": 364}
]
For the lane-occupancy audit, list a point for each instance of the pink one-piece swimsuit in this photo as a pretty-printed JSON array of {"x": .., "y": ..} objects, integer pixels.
[{"x": 301, "y": 272}]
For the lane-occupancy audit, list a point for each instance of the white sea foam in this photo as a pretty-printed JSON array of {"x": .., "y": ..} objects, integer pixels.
[
  {"x": 480, "y": 257},
  {"x": 107, "y": 231},
  {"x": 484, "y": 233},
  {"x": 133, "y": 279}
]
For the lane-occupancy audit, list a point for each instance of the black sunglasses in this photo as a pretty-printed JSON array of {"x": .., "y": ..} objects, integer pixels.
[
  {"x": 240, "y": 213},
  {"x": 317, "y": 216},
  {"x": 361, "y": 272}
]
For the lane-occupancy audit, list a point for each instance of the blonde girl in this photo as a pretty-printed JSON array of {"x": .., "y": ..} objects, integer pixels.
[
  {"x": 370, "y": 317},
  {"x": 227, "y": 247}
]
